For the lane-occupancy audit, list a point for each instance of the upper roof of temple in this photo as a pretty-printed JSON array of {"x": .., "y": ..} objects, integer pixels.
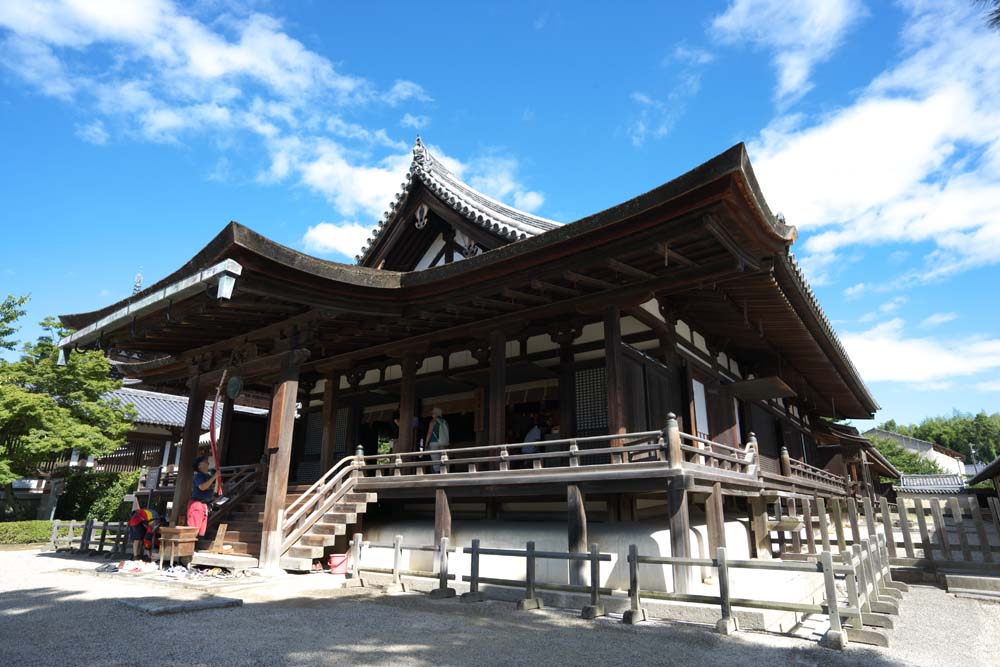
[{"x": 504, "y": 222}]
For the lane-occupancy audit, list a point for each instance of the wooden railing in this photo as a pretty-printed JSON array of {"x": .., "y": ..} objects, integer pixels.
[
  {"x": 705, "y": 452},
  {"x": 238, "y": 482},
  {"x": 803, "y": 470},
  {"x": 317, "y": 500},
  {"x": 160, "y": 479}
]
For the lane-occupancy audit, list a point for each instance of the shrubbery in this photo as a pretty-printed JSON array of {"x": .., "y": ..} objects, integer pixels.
[
  {"x": 25, "y": 532},
  {"x": 96, "y": 495}
]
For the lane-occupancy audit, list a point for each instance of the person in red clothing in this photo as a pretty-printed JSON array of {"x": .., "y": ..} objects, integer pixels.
[
  {"x": 142, "y": 525},
  {"x": 202, "y": 494}
]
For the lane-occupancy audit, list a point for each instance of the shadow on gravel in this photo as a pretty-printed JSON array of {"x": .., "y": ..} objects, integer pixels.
[{"x": 48, "y": 626}]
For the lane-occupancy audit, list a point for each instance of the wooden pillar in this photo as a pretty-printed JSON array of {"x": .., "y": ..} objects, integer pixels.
[
  {"x": 761, "y": 534},
  {"x": 407, "y": 403},
  {"x": 716, "y": 517},
  {"x": 188, "y": 449},
  {"x": 564, "y": 337},
  {"x": 279, "y": 448},
  {"x": 613, "y": 366},
  {"x": 328, "y": 454},
  {"x": 225, "y": 427},
  {"x": 498, "y": 388},
  {"x": 442, "y": 515},
  {"x": 680, "y": 527},
  {"x": 576, "y": 524}
]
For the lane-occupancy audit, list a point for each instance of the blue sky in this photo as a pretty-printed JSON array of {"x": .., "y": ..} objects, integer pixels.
[{"x": 132, "y": 133}]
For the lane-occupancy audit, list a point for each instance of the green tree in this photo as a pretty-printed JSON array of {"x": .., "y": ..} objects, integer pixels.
[
  {"x": 48, "y": 409},
  {"x": 961, "y": 432},
  {"x": 992, "y": 12},
  {"x": 906, "y": 462},
  {"x": 10, "y": 311}
]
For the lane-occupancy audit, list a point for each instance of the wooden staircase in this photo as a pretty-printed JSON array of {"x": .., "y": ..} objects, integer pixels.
[
  {"x": 245, "y": 523},
  {"x": 323, "y": 533}
]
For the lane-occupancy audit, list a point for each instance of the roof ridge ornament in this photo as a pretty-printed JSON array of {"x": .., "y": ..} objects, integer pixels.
[{"x": 419, "y": 152}]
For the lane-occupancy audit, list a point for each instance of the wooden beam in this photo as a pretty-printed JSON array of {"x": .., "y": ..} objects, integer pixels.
[
  {"x": 581, "y": 279},
  {"x": 225, "y": 426},
  {"x": 671, "y": 282},
  {"x": 189, "y": 449},
  {"x": 284, "y": 396},
  {"x": 498, "y": 388},
  {"x": 576, "y": 525},
  {"x": 613, "y": 366},
  {"x": 327, "y": 455},
  {"x": 542, "y": 286},
  {"x": 442, "y": 515},
  {"x": 407, "y": 402},
  {"x": 716, "y": 518},
  {"x": 680, "y": 527},
  {"x": 629, "y": 270},
  {"x": 663, "y": 249}
]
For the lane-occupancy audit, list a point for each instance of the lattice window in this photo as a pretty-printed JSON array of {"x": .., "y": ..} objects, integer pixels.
[
  {"x": 591, "y": 401},
  {"x": 340, "y": 433}
]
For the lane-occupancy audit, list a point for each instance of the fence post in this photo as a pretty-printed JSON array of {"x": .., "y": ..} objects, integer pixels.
[
  {"x": 353, "y": 579},
  {"x": 808, "y": 519},
  {"x": 835, "y": 636},
  {"x": 88, "y": 527},
  {"x": 890, "y": 534},
  {"x": 862, "y": 577},
  {"x": 443, "y": 591},
  {"x": 474, "y": 594},
  {"x": 574, "y": 454},
  {"x": 397, "y": 564},
  {"x": 838, "y": 523},
  {"x": 529, "y": 601},
  {"x": 852, "y": 515},
  {"x": 824, "y": 528},
  {"x": 635, "y": 613},
  {"x": 852, "y": 590},
  {"x": 727, "y": 624},
  {"x": 675, "y": 456},
  {"x": 595, "y": 608},
  {"x": 121, "y": 543},
  {"x": 104, "y": 534},
  {"x": 55, "y": 535}
]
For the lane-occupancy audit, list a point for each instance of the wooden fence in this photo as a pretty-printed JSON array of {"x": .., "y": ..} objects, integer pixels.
[
  {"x": 870, "y": 599},
  {"x": 105, "y": 538}
]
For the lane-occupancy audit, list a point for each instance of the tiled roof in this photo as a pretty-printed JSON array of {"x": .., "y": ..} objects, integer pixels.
[
  {"x": 169, "y": 410},
  {"x": 474, "y": 206},
  {"x": 931, "y": 484}
]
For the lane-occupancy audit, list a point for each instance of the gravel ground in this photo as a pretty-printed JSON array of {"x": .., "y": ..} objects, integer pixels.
[{"x": 51, "y": 617}]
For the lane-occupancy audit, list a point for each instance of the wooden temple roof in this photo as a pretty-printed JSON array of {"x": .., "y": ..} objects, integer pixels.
[
  {"x": 505, "y": 222},
  {"x": 705, "y": 242}
]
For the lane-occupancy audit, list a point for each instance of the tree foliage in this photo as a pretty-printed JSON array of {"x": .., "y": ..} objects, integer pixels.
[
  {"x": 10, "y": 311},
  {"x": 961, "y": 432},
  {"x": 992, "y": 12},
  {"x": 48, "y": 409},
  {"x": 906, "y": 462}
]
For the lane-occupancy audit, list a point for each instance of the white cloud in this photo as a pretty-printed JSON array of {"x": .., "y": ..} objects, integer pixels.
[
  {"x": 417, "y": 122},
  {"x": 915, "y": 157},
  {"x": 497, "y": 176},
  {"x": 690, "y": 55},
  {"x": 403, "y": 91},
  {"x": 346, "y": 238},
  {"x": 993, "y": 385},
  {"x": 893, "y": 305},
  {"x": 799, "y": 34},
  {"x": 885, "y": 353},
  {"x": 938, "y": 318},
  {"x": 855, "y": 291},
  {"x": 93, "y": 133},
  {"x": 176, "y": 75}
]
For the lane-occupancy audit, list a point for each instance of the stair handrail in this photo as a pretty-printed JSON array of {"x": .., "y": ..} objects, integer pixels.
[
  {"x": 294, "y": 512},
  {"x": 237, "y": 486},
  {"x": 336, "y": 487}
]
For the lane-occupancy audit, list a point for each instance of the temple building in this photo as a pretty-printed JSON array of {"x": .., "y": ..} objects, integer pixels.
[{"x": 592, "y": 374}]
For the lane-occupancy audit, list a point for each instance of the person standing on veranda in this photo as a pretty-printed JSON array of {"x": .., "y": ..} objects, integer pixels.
[{"x": 437, "y": 435}]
